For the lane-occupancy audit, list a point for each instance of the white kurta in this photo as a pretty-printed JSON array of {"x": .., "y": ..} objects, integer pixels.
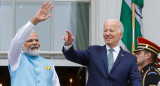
[{"x": 15, "y": 51}]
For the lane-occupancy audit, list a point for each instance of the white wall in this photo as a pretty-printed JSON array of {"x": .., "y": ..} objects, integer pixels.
[
  {"x": 151, "y": 17},
  {"x": 151, "y": 14}
]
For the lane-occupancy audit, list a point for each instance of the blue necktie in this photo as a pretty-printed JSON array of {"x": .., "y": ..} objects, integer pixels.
[{"x": 110, "y": 59}]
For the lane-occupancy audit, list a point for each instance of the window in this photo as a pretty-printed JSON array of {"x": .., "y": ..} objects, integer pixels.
[
  {"x": 5, "y": 25},
  {"x": 67, "y": 15},
  {"x": 43, "y": 29},
  {"x": 72, "y": 15}
]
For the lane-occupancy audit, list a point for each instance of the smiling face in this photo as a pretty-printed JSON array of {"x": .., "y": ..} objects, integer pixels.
[
  {"x": 112, "y": 33},
  {"x": 32, "y": 45},
  {"x": 32, "y": 41}
]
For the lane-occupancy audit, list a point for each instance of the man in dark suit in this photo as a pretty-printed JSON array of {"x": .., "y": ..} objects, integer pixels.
[{"x": 108, "y": 65}]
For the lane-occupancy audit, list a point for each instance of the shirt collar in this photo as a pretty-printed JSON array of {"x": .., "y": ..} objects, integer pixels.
[{"x": 116, "y": 49}]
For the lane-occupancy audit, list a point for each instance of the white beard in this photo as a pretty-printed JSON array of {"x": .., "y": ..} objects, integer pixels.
[{"x": 31, "y": 52}]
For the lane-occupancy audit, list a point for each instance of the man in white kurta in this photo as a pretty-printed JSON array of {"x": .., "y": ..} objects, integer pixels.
[{"x": 26, "y": 67}]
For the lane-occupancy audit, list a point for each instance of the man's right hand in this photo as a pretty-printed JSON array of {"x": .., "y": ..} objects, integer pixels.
[
  {"x": 42, "y": 13},
  {"x": 68, "y": 38}
]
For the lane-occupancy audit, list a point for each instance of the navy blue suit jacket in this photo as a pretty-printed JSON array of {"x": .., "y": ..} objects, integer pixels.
[{"x": 95, "y": 58}]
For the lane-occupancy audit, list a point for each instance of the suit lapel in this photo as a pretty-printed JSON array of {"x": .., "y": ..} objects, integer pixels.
[
  {"x": 119, "y": 58},
  {"x": 103, "y": 53}
]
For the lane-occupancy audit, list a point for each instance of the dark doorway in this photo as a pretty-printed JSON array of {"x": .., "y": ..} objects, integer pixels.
[
  {"x": 4, "y": 76},
  {"x": 68, "y": 76},
  {"x": 72, "y": 76}
]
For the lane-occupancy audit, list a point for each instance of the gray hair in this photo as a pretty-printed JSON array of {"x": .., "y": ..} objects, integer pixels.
[{"x": 120, "y": 25}]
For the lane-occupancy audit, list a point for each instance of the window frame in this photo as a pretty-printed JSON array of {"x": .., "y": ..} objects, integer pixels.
[{"x": 51, "y": 54}]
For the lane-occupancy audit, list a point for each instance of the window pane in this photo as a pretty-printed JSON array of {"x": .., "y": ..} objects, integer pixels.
[
  {"x": 72, "y": 16},
  {"x": 5, "y": 25},
  {"x": 24, "y": 12}
]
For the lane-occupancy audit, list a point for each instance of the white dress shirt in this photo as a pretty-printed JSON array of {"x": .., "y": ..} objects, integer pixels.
[{"x": 115, "y": 52}]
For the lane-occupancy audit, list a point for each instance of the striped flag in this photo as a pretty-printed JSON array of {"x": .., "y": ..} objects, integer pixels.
[{"x": 126, "y": 19}]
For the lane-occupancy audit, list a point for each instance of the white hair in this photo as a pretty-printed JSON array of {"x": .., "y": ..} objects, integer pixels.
[
  {"x": 120, "y": 25},
  {"x": 31, "y": 52}
]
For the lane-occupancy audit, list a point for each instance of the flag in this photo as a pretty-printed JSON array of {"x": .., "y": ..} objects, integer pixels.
[{"x": 126, "y": 19}]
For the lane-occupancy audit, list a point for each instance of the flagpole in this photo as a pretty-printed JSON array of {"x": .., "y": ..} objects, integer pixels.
[{"x": 133, "y": 27}]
